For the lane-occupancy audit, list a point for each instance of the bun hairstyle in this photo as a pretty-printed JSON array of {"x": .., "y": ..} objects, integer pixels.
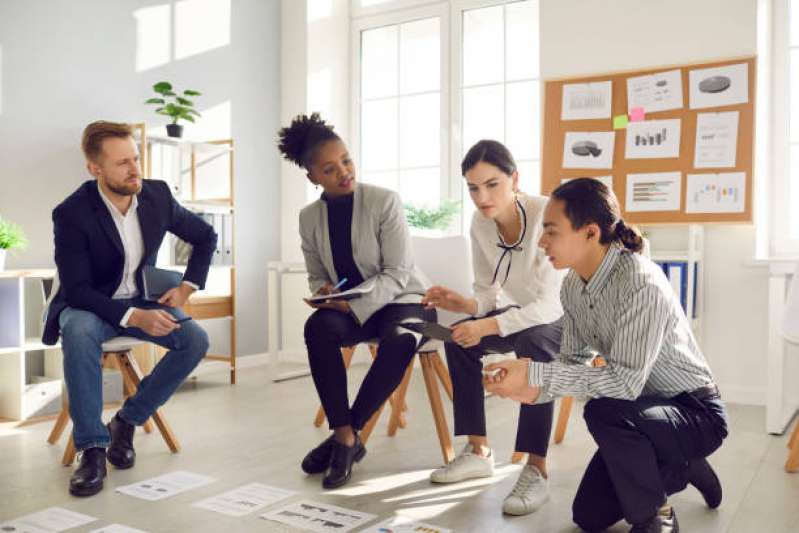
[
  {"x": 299, "y": 141},
  {"x": 491, "y": 152},
  {"x": 586, "y": 201}
]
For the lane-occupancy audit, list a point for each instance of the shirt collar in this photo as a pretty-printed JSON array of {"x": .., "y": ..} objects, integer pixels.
[
  {"x": 112, "y": 208},
  {"x": 601, "y": 275}
]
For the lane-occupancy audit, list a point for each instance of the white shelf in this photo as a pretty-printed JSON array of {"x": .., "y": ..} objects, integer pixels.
[{"x": 197, "y": 146}]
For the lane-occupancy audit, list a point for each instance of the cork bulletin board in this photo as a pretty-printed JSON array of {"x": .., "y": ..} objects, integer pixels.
[{"x": 664, "y": 173}]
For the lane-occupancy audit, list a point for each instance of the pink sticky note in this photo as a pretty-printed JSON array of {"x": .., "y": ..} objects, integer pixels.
[{"x": 636, "y": 114}]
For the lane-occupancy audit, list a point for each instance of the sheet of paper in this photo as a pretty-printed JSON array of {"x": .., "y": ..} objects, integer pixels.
[
  {"x": 607, "y": 180},
  {"x": 657, "y": 191},
  {"x": 583, "y": 101},
  {"x": 655, "y": 92},
  {"x": 117, "y": 528},
  {"x": 587, "y": 149},
  {"x": 165, "y": 486},
  {"x": 653, "y": 139},
  {"x": 244, "y": 500},
  {"x": 715, "y": 193},
  {"x": 719, "y": 86},
  {"x": 716, "y": 140},
  {"x": 401, "y": 524},
  {"x": 50, "y": 520},
  {"x": 319, "y": 517}
]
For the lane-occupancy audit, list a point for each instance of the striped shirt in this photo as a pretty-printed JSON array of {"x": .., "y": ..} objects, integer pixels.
[{"x": 628, "y": 314}]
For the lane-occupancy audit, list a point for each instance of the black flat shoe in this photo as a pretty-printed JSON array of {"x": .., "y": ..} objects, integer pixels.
[
  {"x": 662, "y": 522},
  {"x": 88, "y": 478},
  {"x": 121, "y": 453},
  {"x": 318, "y": 459},
  {"x": 340, "y": 469},
  {"x": 702, "y": 476}
]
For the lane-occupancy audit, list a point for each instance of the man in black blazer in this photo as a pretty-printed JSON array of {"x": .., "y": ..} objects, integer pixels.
[{"x": 105, "y": 232}]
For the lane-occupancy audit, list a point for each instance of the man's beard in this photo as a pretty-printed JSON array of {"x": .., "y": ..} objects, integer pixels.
[{"x": 125, "y": 190}]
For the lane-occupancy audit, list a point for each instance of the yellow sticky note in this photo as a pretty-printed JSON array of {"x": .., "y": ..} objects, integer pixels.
[{"x": 620, "y": 122}]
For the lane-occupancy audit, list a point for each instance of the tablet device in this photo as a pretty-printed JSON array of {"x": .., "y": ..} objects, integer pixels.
[
  {"x": 431, "y": 330},
  {"x": 157, "y": 281}
]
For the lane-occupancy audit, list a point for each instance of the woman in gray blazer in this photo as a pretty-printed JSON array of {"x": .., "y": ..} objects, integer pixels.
[{"x": 354, "y": 235}]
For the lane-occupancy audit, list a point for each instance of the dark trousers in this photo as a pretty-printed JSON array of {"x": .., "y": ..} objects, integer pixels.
[
  {"x": 327, "y": 331},
  {"x": 644, "y": 449},
  {"x": 539, "y": 343}
]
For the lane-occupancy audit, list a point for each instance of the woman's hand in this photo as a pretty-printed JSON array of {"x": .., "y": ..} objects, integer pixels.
[
  {"x": 342, "y": 306},
  {"x": 443, "y": 298},
  {"x": 508, "y": 379}
]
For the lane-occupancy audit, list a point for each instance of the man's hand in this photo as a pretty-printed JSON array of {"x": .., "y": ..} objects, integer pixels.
[
  {"x": 468, "y": 334},
  {"x": 337, "y": 305},
  {"x": 443, "y": 298},
  {"x": 177, "y": 297},
  {"x": 155, "y": 322},
  {"x": 510, "y": 381}
]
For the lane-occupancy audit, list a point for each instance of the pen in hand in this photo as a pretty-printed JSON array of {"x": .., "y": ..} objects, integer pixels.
[{"x": 339, "y": 285}]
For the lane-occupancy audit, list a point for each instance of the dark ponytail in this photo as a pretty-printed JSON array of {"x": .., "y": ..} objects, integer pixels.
[
  {"x": 300, "y": 141},
  {"x": 586, "y": 201}
]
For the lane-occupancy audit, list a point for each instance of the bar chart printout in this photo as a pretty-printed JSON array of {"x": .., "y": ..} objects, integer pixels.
[
  {"x": 657, "y": 191},
  {"x": 715, "y": 193}
]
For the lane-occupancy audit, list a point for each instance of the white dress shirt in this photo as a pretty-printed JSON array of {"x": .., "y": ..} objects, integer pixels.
[{"x": 518, "y": 273}]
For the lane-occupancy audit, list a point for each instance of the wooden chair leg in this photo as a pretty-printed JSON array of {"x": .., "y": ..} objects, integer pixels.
[
  {"x": 392, "y": 398},
  {"x": 370, "y": 425},
  {"x": 563, "y": 418},
  {"x": 517, "y": 457},
  {"x": 428, "y": 360},
  {"x": 130, "y": 373},
  {"x": 399, "y": 401},
  {"x": 126, "y": 387},
  {"x": 60, "y": 424},
  {"x": 346, "y": 354},
  {"x": 69, "y": 452},
  {"x": 794, "y": 436},
  {"x": 793, "y": 457}
]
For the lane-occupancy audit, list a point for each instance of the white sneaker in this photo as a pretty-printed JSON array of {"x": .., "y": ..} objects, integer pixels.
[
  {"x": 466, "y": 465},
  {"x": 529, "y": 494}
]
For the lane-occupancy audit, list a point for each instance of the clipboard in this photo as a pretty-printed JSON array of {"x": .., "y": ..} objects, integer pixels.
[{"x": 431, "y": 330}]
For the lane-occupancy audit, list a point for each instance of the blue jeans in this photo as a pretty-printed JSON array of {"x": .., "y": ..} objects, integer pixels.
[{"x": 82, "y": 336}]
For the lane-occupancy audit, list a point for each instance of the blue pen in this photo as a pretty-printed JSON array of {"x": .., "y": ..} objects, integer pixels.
[{"x": 339, "y": 285}]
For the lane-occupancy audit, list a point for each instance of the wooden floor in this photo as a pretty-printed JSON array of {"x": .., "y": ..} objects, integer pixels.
[{"x": 258, "y": 431}]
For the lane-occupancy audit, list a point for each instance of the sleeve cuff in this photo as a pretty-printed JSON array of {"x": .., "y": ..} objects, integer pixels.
[
  {"x": 126, "y": 317},
  {"x": 192, "y": 285},
  {"x": 540, "y": 375}
]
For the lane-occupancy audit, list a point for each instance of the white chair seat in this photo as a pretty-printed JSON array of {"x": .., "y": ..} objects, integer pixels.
[{"x": 121, "y": 344}]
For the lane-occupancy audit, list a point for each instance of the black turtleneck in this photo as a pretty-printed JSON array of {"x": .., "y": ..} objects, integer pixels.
[{"x": 339, "y": 221}]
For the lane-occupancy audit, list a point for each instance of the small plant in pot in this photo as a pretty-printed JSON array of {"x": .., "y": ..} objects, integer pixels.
[
  {"x": 180, "y": 108},
  {"x": 431, "y": 220},
  {"x": 11, "y": 238}
]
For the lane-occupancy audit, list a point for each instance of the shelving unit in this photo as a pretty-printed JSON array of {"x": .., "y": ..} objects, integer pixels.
[{"x": 193, "y": 170}]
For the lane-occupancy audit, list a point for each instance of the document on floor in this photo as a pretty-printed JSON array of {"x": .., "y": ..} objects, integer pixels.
[
  {"x": 653, "y": 139},
  {"x": 716, "y": 140},
  {"x": 586, "y": 100},
  {"x": 50, "y": 520},
  {"x": 655, "y": 92},
  {"x": 165, "y": 486},
  {"x": 401, "y": 524},
  {"x": 244, "y": 500},
  {"x": 117, "y": 528},
  {"x": 654, "y": 191},
  {"x": 319, "y": 517},
  {"x": 715, "y": 193}
]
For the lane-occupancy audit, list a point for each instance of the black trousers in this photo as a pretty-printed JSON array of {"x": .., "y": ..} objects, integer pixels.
[
  {"x": 327, "y": 331},
  {"x": 539, "y": 343},
  {"x": 644, "y": 449}
]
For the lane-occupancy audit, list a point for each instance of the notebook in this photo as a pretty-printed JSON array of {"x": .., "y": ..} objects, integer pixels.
[
  {"x": 157, "y": 281},
  {"x": 355, "y": 292}
]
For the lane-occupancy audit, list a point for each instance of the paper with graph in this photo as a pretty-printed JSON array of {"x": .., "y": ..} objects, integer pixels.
[
  {"x": 319, "y": 517},
  {"x": 51, "y": 520},
  {"x": 655, "y": 92},
  {"x": 653, "y": 139},
  {"x": 715, "y": 193},
  {"x": 589, "y": 149},
  {"x": 716, "y": 140},
  {"x": 656, "y": 191},
  {"x": 401, "y": 524},
  {"x": 583, "y": 101}
]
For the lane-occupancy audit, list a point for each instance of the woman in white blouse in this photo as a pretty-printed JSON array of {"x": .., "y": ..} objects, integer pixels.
[{"x": 515, "y": 307}]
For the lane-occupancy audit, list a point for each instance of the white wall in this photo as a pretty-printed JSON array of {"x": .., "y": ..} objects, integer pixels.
[
  {"x": 65, "y": 64},
  {"x": 585, "y": 37}
]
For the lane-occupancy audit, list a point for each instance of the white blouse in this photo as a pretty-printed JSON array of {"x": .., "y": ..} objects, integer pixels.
[{"x": 518, "y": 273}]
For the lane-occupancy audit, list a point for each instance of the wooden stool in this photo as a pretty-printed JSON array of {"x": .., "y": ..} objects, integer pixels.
[
  {"x": 793, "y": 457},
  {"x": 119, "y": 350}
]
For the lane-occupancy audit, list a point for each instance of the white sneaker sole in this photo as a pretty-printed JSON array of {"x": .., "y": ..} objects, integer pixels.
[{"x": 527, "y": 510}]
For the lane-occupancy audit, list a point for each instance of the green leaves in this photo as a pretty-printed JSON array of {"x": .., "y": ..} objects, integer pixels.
[
  {"x": 181, "y": 108},
  {"x": 433, "y": 217},
  {"x": 12, "y": 236}
]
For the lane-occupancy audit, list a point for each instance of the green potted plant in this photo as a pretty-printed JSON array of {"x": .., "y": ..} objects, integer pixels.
[
  {"x": 181, "y": 108},
  {"x": 11, "y": 237},
  {"x": 432, "y": 220}
]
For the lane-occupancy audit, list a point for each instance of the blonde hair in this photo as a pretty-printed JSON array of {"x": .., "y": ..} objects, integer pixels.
[{"x": 96, "y": 132}]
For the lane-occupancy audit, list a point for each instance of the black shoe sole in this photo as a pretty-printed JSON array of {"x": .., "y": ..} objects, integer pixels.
[
  {"x": 360, "y": 455},
  {"x": 85, "y": 492}
]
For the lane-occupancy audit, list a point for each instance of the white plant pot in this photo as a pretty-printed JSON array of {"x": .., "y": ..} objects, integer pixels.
[{"x": 2, "y": 259}]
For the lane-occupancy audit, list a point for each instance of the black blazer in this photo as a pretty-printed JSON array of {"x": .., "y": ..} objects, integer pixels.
[{"x": 90, "y": 257}]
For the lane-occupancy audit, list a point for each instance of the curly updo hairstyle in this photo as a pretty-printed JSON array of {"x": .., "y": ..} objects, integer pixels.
[
  {"x": 300, "y": 141},
  {"x": 587, "y": 200}
]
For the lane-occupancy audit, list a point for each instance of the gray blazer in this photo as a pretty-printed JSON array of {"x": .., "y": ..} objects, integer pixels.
[{"x": 381, "y": 248}]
